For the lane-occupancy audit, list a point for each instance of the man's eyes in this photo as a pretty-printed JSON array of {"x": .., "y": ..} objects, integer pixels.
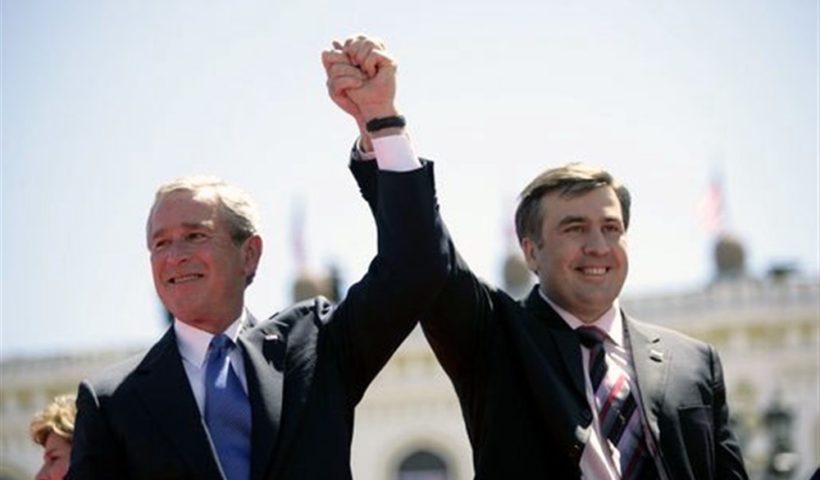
[
  {"x": 613, "y": 228},
  {"x": 188, "y": 237},
  {"x": 580, "y": 228},
  {"x": 160, "y": 244}
]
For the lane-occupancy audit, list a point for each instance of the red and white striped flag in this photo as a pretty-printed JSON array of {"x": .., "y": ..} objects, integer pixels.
[{"x": 711, "y": 207}]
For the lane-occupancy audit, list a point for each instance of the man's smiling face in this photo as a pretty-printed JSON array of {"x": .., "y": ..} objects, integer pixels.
[
  {"x": 199, "y": 271},
  {"x": 581, "y": 257}
]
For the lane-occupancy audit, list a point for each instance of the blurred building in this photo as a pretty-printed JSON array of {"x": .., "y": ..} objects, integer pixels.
[
  {"x": 409, "y": 426},
  {"x": 767, "y": 331}
]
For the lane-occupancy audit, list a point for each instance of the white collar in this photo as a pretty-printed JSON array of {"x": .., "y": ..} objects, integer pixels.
[
  {"x": 610, "y": 322},
  {"x": 193, "y": 342}
]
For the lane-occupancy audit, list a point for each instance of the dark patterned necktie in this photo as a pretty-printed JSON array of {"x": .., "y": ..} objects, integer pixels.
[
  {"x": 618, "y": 413},
  {"x": 227, "y": 411}
]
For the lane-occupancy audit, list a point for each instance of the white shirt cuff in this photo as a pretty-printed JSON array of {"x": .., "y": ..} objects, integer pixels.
[{"x": 395, "y": 153}]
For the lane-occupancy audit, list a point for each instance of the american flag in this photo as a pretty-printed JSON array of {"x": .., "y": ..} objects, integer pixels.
[{"x": 711, "y": 206}]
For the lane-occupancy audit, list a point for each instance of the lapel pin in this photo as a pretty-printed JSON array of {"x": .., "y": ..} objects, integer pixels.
[{"x": 656, "y": 355}]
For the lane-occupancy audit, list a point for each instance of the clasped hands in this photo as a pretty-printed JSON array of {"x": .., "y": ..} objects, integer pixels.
[{"x": 361, "y": 79}]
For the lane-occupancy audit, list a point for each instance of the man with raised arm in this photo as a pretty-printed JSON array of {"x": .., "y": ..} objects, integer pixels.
[
  {"x": 564, "y": 384},
  {"x": 223, "y": 396}
]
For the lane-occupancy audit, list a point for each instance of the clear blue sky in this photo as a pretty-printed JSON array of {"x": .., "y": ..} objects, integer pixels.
[{"x": 103, "y": 100}]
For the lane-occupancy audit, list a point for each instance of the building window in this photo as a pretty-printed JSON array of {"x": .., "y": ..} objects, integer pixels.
[{"x": 422, "y": 465}]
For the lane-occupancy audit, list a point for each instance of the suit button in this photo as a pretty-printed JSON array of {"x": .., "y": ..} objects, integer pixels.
[{"x": 586, "y": 415}]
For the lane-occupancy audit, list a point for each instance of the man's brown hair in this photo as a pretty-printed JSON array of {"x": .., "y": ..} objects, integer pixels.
[{"x": 570, "y": 180}]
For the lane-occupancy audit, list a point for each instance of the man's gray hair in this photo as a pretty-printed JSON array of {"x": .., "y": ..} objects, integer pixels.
[{"x": 239, "y": 209}]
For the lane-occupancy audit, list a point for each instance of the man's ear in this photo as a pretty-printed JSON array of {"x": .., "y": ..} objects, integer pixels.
[
  {"x": 530, "y": 250},
  {"x": 253, "y": 252}
]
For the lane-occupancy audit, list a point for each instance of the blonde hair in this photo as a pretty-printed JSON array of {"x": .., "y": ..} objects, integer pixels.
[{"x": 57, "y": 417}]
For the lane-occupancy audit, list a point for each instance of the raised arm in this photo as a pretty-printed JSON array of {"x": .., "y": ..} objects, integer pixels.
[
  {"x": 454, "y": 324},
  {"x": 412, "y": 261}
]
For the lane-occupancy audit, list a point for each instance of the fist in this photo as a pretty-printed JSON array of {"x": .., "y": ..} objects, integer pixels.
[{"x": 361, "y": 78}]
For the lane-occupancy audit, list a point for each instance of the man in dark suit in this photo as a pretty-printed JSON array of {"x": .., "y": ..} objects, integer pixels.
[
  {"x": 219, "y": 397},
  {"x": 564, "y": 384}
]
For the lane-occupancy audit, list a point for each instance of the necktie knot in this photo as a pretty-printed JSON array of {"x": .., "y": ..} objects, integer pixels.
[
  {"x": 221, "y": 344},
  {"x": 590, "y": 336}
]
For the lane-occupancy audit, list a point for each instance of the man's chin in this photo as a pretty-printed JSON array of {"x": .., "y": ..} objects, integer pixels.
[
  {"x": 595, "y": 303},
  {"x": 184, "y": 314}
]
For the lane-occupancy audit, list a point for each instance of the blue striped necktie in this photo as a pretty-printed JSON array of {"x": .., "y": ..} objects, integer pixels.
[
  {"x": 618, "y": 413},
  {"x": 227, "y": 411}
]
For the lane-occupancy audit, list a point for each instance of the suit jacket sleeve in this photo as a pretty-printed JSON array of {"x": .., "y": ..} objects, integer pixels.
[
  {"x": 728, "y": 458},
  {"x": 455, "y": 322},
  {"x": 407, "y": 273},
  {"x": 94, "y": 452}
]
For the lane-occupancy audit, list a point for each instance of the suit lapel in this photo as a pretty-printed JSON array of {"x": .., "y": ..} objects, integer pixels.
[
  {"x": 651, "y": 360},
  {"x": 551, "y": 359},
  {"x": 164, "y": 389},
  {"x": 565, "y": 340},
  {"x": 264, "y": 351}
]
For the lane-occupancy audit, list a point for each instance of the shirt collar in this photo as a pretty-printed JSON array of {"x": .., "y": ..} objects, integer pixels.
[
  {"x": 610, "y": 322},
  {"x": 193, "y": 342}
]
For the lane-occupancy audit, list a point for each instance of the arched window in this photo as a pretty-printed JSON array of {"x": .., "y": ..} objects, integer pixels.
[{"x": 422, "y": 465}]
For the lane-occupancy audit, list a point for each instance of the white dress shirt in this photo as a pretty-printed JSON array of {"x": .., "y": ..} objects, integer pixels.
[{"x": 193, "y": 346}]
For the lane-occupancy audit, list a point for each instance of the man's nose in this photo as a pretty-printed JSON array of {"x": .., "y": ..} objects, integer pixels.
[
  {"x": 179, "y": 251},
  {"x": 596, "y": 243}
]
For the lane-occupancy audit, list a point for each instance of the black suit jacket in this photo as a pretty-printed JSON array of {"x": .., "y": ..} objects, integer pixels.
[
  {"x": 516, "y": 367},
  {"x": 307, "y": 367}
]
